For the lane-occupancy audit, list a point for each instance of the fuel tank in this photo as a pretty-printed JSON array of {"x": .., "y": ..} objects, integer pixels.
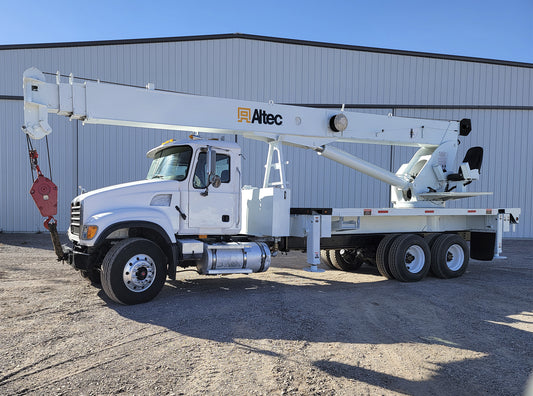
[{"x": 234, "y": 258}]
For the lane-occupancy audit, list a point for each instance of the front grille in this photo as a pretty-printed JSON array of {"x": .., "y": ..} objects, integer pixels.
[{"x": 75, "y": 218}]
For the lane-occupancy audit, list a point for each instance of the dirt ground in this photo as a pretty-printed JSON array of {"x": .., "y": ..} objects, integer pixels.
[{"x": 284, "y": 332}]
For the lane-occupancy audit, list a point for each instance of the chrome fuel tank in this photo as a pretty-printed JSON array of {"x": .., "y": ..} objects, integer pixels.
[{"x": 234, "y": 258}]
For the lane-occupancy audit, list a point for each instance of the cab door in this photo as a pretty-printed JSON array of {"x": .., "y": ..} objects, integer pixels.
[{"x": 214, "y": 210}]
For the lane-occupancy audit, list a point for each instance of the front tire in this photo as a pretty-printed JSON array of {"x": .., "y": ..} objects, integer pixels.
[{"x": 133, "y": 271}]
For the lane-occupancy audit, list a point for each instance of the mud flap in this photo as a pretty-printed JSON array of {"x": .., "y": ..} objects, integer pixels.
[{"x": 482, "y": 245}]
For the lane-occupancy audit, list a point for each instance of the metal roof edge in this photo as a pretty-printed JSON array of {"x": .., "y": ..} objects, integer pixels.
[
  {"x": 267, "y": 39},
  {"x": 386, "y": 51}
]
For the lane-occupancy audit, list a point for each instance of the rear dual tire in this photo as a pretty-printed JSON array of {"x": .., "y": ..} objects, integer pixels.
[
  {"x": 342, "y": 259},
  {"x": 324, "y": 258},
  {"x": 449, "y": 256},
  {"x": 382, "y": 255},
  {"x": 409, "y": 258},
  {"x": 405, "y": 257}
]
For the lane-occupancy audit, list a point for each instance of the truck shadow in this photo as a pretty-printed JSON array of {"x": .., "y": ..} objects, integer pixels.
[
  {"x": 472, "y": 314},
  {"x": 440, "y": 382}
]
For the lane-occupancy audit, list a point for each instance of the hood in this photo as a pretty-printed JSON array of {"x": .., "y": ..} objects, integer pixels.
[
  {"x": 125, "y": 188},
  {"x": 127, "y": 195}
]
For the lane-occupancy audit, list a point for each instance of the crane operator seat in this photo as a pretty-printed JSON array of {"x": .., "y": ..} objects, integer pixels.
[{"x": 474, "y": 158}]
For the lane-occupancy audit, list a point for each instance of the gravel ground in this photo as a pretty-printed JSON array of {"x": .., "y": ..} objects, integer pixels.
[{"x": 284, "y": 332}]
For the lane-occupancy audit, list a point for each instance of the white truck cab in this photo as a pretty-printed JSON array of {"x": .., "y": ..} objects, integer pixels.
[{"x": 181, "y": 195}]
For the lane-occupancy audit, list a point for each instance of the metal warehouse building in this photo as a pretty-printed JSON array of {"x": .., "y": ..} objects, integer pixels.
[{"x": 496, "y": 95}]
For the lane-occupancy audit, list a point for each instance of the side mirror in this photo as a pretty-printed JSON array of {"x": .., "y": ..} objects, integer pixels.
[
  {"x": 215, "y": 181},
  {"x": 212, "y": 178},
  {"x": 211, "y": 161}
]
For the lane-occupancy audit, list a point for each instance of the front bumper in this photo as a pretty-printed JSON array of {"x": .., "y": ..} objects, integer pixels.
[{"x": 79, "y": 259}]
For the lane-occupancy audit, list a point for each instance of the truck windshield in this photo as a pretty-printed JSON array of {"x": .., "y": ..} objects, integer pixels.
[{"x": 171, "y": 163}]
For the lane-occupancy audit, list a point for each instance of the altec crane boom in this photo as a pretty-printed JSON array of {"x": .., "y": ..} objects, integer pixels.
[
  {"x": 194, "y": 188},
  {"x": 98, "y": 103}
]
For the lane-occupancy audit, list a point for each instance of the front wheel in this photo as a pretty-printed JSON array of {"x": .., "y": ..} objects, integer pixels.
[{"x": 133, "y": 271}]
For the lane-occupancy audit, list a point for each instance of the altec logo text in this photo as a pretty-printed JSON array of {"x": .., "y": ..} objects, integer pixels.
[{"x": 244, "y": 114}]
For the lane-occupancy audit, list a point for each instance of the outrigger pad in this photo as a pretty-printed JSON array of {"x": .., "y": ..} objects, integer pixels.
[{"x": 44, "y": 193}]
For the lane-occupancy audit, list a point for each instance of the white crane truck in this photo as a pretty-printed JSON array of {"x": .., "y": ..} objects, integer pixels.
[{"x": 192, "y": 209}]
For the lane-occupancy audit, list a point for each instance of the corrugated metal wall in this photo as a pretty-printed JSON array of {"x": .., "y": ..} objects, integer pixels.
[{"x": 95, "y": 156}]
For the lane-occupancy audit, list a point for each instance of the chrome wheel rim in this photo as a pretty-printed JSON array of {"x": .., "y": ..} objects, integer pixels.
[{"x": 139, "y": 273}]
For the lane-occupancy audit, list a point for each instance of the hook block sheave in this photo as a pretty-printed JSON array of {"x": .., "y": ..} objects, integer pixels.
[{"x": 44, "y": 193}]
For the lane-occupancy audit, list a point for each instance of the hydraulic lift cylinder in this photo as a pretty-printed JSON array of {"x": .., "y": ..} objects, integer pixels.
[{"x": 351, "y": 161}]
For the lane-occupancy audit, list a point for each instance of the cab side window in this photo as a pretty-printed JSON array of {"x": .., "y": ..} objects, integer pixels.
[{"x": 201, "y": 172}]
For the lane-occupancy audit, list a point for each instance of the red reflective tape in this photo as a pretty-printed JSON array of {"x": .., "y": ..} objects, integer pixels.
[
  {"x": 383, "y": 211},
  {"x": 471, "y": 211},
  {"x": 430, "y": 211}
]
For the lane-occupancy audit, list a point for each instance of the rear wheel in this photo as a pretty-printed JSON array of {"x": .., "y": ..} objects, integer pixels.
[
  {"x": 449, "y": 256},
  {"x": 324, "y": 258},
  {"x": 330, "y": 254},
  {"x": 382, "y": 255},
  {"x": 133, "y": 271},
  {"x": 409, "y": 258},
  {"x": 345, "y": 259}
]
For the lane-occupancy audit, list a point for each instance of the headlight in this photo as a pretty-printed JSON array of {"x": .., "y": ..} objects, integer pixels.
[{"x": 89, "y": 231}]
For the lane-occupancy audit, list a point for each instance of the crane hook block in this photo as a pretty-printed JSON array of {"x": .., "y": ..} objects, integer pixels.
[{"x": 44, "y": 193}]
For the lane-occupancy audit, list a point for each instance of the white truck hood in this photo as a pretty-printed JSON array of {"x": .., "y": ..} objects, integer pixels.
[
  {"x": 141, "y": 186},
  {"x": 138, "y": 194},
  {"x": 147, "y": 200}
]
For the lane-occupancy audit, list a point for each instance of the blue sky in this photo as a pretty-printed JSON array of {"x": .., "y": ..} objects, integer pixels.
[{"x": 486, "y": 29}]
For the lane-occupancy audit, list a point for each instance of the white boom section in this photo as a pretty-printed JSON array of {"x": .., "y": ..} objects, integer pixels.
[
  {"x": 113, "y": 104},
  {"x": 103, "y": 103}
]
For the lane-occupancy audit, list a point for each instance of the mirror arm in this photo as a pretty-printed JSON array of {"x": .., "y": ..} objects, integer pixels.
[{"x": 211, "y": 175}]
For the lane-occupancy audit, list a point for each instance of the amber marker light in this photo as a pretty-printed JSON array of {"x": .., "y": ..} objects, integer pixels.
[{"x": 89, "y": 232}]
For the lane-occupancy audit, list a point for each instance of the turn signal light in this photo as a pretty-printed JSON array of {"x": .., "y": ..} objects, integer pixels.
[{"x": 89, "y": 232}]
